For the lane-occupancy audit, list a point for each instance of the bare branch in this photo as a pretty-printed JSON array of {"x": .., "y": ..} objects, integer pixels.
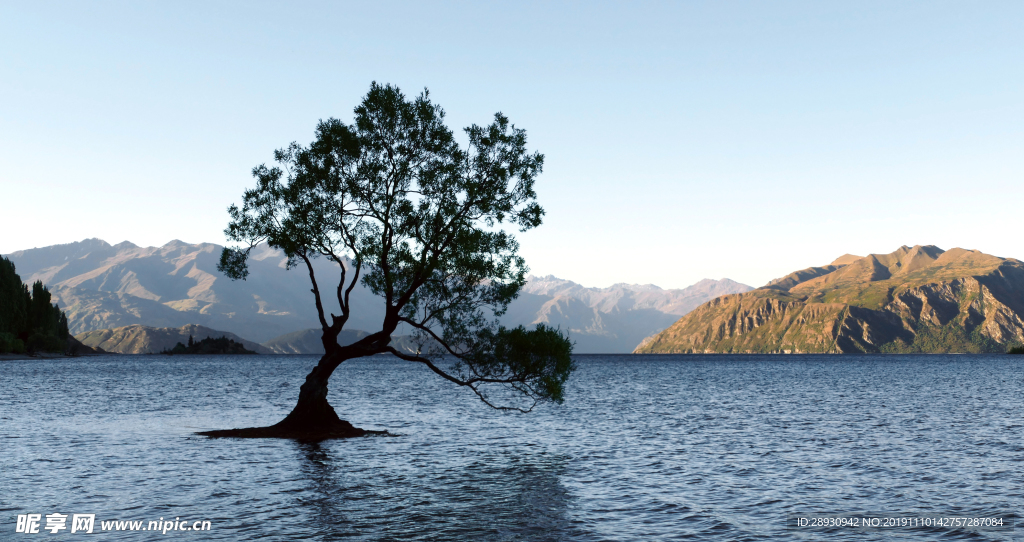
[
  {"x": 430, "y": 332},
  {"x": 355, "y": 279},
  {"x": 428, "y": 363},
  {"x": 472, "y": 384},
  {"x": 498, "y": 407},
  {"x": 316, "y": 291}
]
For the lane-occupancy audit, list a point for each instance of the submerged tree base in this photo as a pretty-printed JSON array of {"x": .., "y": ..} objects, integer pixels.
[{"x": 341, "y": 429}]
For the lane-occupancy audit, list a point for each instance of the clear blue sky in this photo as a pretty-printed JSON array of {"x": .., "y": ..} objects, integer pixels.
[{"x": 684, "y": 140}]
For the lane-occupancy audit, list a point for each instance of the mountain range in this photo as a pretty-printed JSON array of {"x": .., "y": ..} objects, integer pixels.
[
  {"x": 103, "y": 286},
  {"x": 139, "y": 339},
  {"x": 613, "y": 319},
  {"x": 915, "y": 299}
]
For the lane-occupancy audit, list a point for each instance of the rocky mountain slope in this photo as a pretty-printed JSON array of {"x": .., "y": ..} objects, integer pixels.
[
  {"x": 103, "y": 286},
  {"x": 916, "y": 299},
  {"x": 136, "y": 339}
]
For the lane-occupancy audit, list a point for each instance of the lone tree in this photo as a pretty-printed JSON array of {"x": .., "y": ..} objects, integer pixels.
[{"x": 395, "y": 202}]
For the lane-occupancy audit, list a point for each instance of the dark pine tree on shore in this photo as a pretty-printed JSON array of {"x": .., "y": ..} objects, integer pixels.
[
  {"x": 395, "y": 202},
  {"x": 28, "y": 321}
]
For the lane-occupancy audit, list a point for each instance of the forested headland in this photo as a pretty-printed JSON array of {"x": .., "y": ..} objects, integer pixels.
[
  {"x": 28, "y": 321},
  {"x": 209, "y": 346}
]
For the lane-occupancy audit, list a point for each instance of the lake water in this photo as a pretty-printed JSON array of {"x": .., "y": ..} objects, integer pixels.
[{"x": 644, "y": 448}]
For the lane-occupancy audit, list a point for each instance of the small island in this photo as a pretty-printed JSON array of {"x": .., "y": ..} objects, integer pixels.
[{"x": 209, "y": 346}]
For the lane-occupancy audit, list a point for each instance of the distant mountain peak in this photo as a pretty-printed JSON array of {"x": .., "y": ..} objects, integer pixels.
[
  {"x": 535, "y": 283},
  {"x": 637, "y": 287},
  {"x": 845, "y": 259},
  {"x": 74, "y": 246}
]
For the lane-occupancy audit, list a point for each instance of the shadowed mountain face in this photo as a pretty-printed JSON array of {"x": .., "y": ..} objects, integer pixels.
[
  {"x": 627, "y": 297},
  {"x": 138, "y": 339},
  {"x": 916, "y": 299},
  {"x": 103, "y": 286},
  {"x": 307, "y": 341}
]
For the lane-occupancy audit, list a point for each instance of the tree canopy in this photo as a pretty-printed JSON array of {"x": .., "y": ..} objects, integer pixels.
[{"x": 427, "y": 224}]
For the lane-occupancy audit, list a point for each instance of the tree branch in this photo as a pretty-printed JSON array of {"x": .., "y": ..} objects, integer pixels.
[
  {"x": 316, "y": 292},
  {"x": 472, "y": 384},
  {"x": 430, "y": 332}
]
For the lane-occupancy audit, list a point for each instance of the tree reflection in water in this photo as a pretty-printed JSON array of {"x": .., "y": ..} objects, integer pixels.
[{"x": 504, "y": 495}]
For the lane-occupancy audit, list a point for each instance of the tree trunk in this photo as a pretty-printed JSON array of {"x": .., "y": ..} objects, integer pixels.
[
  {"x": 312, "y": 412},
  {"x": 313, "y": 418}
]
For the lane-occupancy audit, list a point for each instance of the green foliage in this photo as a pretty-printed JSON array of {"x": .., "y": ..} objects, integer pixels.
[
  {"x": 10, "y": 343},
  {"x": 14, "y": 300},
  {"x": 43, "y": 342},
  {"x": 62, "y": 326},
  {"x": 951, "y": 337},
  {"x": 874, "y": 297},
  {"x": 537, "y": 362},
  {"x": 1015, "y": 349},
  {"x": 28, "y": 317},
  {"x": 397, "y": 203},
  {"x": 233, "y": 263}
]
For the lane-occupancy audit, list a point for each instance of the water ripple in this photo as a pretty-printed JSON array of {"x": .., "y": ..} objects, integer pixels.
[{"x": 644, "y": 448}]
